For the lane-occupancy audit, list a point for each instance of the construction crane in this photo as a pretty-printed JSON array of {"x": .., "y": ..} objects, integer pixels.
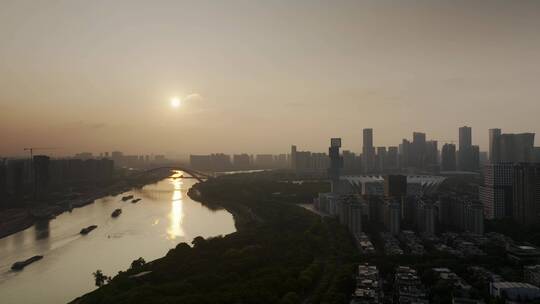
[{"x": 31, "y": 150}]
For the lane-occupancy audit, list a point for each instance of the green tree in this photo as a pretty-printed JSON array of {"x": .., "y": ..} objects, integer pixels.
[
  {"x": 138, "y": 263},
  {"x": 290, "y": 298},
  {"x": 100, "y": 278}
]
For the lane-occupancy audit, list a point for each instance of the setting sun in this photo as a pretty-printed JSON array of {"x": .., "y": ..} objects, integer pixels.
[{"x": 175, "y": 102}]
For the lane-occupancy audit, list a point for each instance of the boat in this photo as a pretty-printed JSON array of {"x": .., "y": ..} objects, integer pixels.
[
  {"x": 87, "y": 230},
  {"x": 126, "y": 198},
  {"x": 116, "y": 212},
  {"x": 21, "y": 264},
  {"x": 136, "y": 200}
]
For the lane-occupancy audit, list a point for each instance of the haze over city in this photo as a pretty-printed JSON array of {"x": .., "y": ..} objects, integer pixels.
[
  {"x": 269, "y": 152},
  {"x": 258, "y": 76}
]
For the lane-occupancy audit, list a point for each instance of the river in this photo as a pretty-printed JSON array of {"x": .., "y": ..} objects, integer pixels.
[{"x": 163, "y": 218}]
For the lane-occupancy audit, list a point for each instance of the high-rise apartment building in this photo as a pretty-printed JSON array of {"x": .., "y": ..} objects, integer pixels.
[
  {"x": 448, "y": 157},
  {"x": 336, "y": 163},
  {"x": 496, "y": 194},
  {"x": 391, "y": 211},
  {"x": 41, "y": 175},
  {"x": 293, "y": 157},
  {"x": 516, "y": 147},
  {"x": 380, "y": 164},
  {"x": 368, "y": 151},
  {"x": 473, "y": 217},
  {"x": 392, "y": 159},
  {"x": 468, "y": 155},
  {"x": 425, "y": 217},
  {"x": 508, "y": 147},
  {"x": 494, "y": 148},
  {"x": 465, "y": 137},
  {"x": 526, "y": 193},
  {"x": 431, "y": 159},
  {"x": 241, "y": 161},
  {"x": 417, "y": 156}
]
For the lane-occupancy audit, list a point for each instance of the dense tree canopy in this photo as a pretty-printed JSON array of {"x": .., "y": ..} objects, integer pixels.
[{"x": 281, "y": 253}]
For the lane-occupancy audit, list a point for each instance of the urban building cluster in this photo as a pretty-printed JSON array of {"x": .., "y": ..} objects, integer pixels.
[
  {"x": 511, "y": 190},
  {"x": 36, "y": 177},
  {"x": 405, "y": 212},
  {"x": 224, "y": 162},
  {"x": 368, "y": 288},
  {"x": 422, "y": 155},
  {"x": 125, "y": 160},
  {"x": 393, "y": 200},
  {"x": 511, "y": 187},
  {"x": 408, "y": 287}
]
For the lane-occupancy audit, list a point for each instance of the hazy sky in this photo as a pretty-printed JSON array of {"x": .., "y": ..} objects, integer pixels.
[{"x": 262, "y": 75}]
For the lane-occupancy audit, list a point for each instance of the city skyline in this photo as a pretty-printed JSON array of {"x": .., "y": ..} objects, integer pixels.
[
  {"x": 371, "y": 140},
  {"x": 269, "y": 151},
  {"x": 262, "y": 74}
]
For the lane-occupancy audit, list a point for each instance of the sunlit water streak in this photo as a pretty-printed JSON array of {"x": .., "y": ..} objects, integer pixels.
[{"x": 165, "y": 217}]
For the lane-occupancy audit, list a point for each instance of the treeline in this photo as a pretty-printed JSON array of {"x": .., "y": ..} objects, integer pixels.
[{"x": 281, "y": 253}]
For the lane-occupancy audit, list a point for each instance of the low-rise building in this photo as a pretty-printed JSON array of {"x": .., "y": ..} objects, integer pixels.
[
  {"x": 531, "y": 274},
  {"x": 523, "y": 254},
  {"x": 364, "y": 244},
  {"x": 368, "y": 285},
  {"x": 408, "y": 287},
  {"x": 514, "y": 291},
  {"x": 391, "y": 244}
]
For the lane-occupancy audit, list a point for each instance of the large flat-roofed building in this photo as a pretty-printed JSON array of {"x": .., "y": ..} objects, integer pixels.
[
  {"x": 374, "y": 184},
  {"x": 523, "y": 254},
  {"x": 514, "y": 291}
]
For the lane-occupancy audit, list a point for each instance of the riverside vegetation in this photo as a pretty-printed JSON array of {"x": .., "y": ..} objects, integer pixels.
[{"x": 281, "y": 252}]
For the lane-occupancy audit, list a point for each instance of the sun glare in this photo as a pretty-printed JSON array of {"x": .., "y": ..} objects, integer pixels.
[{"x": 175, "y": 102}]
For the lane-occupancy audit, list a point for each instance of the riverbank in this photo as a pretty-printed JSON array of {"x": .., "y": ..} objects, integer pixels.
[
  {"x": 17, "y": 219},
  {"x": 279, "y": 253}
]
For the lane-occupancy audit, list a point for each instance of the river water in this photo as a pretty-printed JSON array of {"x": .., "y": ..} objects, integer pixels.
[{"x": 163, "y": 218}]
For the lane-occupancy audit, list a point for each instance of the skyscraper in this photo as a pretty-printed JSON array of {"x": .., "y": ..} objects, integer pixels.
[
  {"x": 508, "y": 147},
  {"x": 381, "y": 159},
  {"x": 418, "y": 150},
  {"x": 516, "y": 147},
  {"x": 448, "y": 157},
  {"x": 473, "y": 217},
  {"x": 392, "y": 159},
  {"x": 526, "y": 189},
  {"x": 496, "y": 193},
  {"x": 293, "y": 157},
  {"x": 432, "y": 154},
  {"x": 368, "y": 151},
  {"x": 336, "y": 163},
  {"x": 41, "y": 175},
  {"x": 465, "y": 137},
  {"x": 468, "y": 155},
  {"x": 494, "y": 149}
]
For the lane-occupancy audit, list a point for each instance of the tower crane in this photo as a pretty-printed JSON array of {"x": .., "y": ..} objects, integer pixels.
[{"x": 31, "y": 150}]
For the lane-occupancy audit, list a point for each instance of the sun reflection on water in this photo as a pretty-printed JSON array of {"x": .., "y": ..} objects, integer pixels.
[{"x": 176, "y": 216}]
